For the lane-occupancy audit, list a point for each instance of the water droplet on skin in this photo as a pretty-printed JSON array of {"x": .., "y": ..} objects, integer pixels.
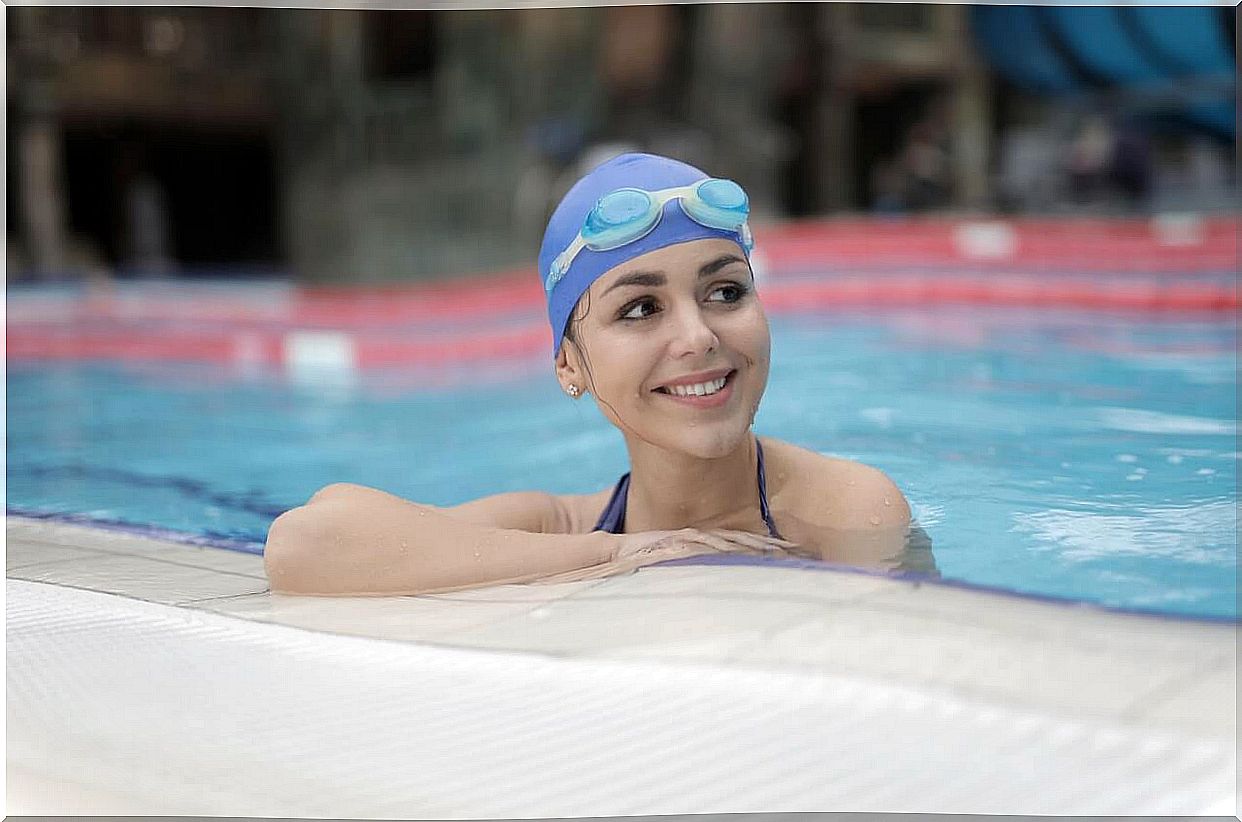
[
  {"x": 476, "y": 554},
  {"x": 850, "y": 482},
  {"x": 888, "y": 501},
  {"x": 874, "y": 520}
]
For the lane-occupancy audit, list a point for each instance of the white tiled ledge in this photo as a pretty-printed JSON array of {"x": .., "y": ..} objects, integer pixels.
[
  {"x": 196, "y": 713},
  {"x": 1061, "y": 659}
]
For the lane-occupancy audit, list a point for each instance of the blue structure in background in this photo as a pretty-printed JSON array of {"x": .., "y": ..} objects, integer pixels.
[
  {"x": 1175, "y": 59},
  {"x": 1013, "y": 41}
]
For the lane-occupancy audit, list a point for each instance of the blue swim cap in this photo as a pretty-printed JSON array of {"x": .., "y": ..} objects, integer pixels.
[{"x": 644, "y": 171}]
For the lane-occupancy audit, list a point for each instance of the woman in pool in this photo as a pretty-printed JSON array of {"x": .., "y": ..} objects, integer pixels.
[{"x": 651, "y": 296}]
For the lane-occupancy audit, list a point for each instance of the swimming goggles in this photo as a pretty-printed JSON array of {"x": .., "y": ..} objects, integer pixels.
[{"x": 628, "y": 214}]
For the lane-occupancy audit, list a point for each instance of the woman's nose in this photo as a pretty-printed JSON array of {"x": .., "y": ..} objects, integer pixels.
[{"x": 692, "y": 334}]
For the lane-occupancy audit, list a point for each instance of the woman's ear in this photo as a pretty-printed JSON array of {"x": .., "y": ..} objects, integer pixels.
[{"x": 569, "y": 371}]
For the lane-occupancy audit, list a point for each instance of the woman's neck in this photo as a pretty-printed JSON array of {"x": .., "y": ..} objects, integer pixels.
[{"x": 671, "y": 490}]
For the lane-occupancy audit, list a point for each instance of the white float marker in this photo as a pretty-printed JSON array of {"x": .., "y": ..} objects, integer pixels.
[{"x": 320, "y": 357}]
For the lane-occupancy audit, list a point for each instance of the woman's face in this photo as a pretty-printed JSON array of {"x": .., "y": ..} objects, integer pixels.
[{"x": 657, "y": 334}]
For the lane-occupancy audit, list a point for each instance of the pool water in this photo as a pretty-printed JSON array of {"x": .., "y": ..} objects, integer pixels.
[{"x": 1084, "y": 456}]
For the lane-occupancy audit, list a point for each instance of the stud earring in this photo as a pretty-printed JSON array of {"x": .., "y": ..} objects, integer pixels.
[{"x": 573, "y": 390}]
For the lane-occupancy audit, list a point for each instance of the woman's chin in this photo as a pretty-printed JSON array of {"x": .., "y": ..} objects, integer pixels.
[
  {"x": 707, "y": 444},
  {"x": 704, "y": 438}
]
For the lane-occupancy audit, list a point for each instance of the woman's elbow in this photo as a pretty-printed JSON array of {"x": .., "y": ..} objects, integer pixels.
[
  {"x": 339, "y": 491},
  {"x": 302, "y": 536},
  {"x": 296, "y": 541}
]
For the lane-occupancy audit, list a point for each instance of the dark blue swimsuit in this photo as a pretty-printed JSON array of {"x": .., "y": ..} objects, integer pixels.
[{"x": 612, "y": 519}]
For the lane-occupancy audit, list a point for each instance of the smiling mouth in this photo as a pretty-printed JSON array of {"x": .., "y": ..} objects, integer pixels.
[{"x": 708, "y": 388}]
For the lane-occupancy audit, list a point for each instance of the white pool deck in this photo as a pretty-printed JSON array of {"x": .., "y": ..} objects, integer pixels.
[{"x": 153, "y": 677}]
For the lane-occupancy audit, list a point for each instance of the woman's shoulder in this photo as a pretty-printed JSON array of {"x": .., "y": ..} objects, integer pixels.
[{"x": 820, "y": 487}]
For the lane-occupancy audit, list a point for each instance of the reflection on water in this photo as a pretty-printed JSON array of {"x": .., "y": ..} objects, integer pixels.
[
  {"x": 893, "y": 550},
  {"x": 1196, "y": 533},
  {"x": 1151, "y": 422},
  {"x": 917, "y": 556}
]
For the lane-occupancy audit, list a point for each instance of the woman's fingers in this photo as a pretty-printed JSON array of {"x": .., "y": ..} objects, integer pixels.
[
  {"x": 759, "y": 541},
  {"x": 747, "y": 542},
  {"x": 656, "y": 546}
]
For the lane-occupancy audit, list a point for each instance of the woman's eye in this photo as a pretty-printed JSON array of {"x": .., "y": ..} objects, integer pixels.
[
  {"x": 730, "y": 293},
  {"x": 639, "y": 310}
]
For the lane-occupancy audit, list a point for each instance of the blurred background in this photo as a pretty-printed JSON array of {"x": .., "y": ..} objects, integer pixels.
[{"x": 335, "y": 146}]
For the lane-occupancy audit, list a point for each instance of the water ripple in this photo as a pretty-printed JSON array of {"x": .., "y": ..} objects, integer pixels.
[
  {"x": 1156, "y": 422},
  {"x": 1188, "y": 533}
]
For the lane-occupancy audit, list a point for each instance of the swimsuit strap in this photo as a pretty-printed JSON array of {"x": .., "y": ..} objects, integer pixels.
[
  {"x": 763, "y": 495},
  {"x": 612, "y": 519}
]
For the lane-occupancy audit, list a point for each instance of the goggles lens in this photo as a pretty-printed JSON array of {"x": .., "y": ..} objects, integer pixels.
[
  {"x": 724, "y": 194},
  {"x": 719, "y": 204},
  {"x": 620, "y": 217}
]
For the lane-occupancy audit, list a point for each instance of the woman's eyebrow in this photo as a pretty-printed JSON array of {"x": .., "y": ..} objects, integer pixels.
[
  {"x": 656, "y": 279},
  {"x": 720, "y": 262},
  {"x": 651, "y": 279}
]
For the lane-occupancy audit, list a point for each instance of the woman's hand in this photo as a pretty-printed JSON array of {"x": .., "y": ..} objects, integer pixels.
[
  {"x": 656, "y": 546},
  {"x": 633, "y": 551}
]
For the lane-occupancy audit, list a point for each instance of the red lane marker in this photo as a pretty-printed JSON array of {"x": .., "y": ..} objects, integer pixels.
[
  {"x": 919, "y": 257},
  {"x": 227, "y": 347},
  {"x": 230, "y": 346},
  {"x": 1009, "y": 291},
  {"x": 218, "y": 348},
  {"x": 1077, "y": 245},
  {"x": 520, "y": 343}
]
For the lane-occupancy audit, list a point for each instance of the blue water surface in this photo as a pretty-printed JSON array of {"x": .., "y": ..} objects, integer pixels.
[{"x": 1086, "y": 456}]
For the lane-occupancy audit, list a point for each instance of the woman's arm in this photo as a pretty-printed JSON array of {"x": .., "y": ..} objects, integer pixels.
[
  {"x": 535, "y": 511},
  {"x": 350, "y": 540}
]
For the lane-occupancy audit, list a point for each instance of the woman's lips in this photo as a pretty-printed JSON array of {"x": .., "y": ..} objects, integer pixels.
[{"x": 707, "y": 400}]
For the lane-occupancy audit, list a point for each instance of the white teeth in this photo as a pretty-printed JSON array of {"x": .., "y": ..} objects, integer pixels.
[{"x": 699, "y": 389}]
